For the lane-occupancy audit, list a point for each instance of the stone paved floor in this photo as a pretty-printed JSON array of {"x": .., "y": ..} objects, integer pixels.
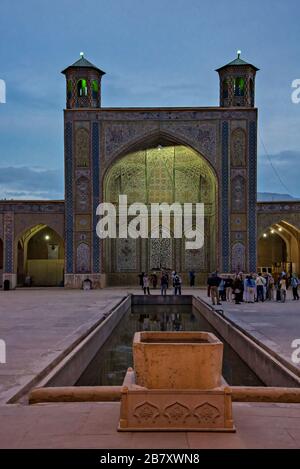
[
  {"x": 38, "y": 324},
  {"x": 274, "y": 324},
  {"x": 93, "y": 425}
]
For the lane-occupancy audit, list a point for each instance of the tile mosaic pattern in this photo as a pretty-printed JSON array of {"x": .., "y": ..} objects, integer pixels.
[
  {"x": 8, "y": 243},
  {"x": 225, "y": 198},
  {"x": 96, "y": 194},
  {"x": 252, "y": 195},
  {"x": 69, "y": 196}
]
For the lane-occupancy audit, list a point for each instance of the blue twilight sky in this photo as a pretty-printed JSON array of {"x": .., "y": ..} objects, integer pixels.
[{"x": 155, "y": 53}]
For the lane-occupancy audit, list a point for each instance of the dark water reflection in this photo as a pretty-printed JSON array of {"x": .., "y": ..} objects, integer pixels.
[{"x": 109, "y": 366}]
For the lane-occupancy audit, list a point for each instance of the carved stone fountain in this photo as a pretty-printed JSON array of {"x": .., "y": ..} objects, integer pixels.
[{"x": 176, "y": 384}]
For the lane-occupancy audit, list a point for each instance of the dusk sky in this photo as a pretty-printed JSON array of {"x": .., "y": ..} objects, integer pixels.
[{"x": 155, "y": 53}]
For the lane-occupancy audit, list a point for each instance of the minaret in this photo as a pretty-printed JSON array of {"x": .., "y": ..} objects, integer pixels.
[
  {"x": 83, "y": 82},
  {"x": 237, "y": 83}
]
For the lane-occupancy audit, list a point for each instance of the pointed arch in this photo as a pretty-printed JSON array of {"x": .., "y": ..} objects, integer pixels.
[
  {"x": 157, "y": 170},
  {"x": 153, "y": 139},
  {"x": 279, "y": 247},
  {"x": 39, "y": 256}
]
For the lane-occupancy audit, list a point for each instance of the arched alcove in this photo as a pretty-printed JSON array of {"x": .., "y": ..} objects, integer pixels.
[
  {"x": 278, "y": 248},
  {"x": 169, "y": 174},
  {"x": 40, "y": 257}
]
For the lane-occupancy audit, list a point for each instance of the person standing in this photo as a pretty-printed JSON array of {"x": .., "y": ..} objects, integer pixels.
[
  {"x": 192, "y": 278},
  {"x": 265, "y": 276},
  {"x": 250, "y": 289},
  {"x": 146, "y": 284},
  {"x": 163, "y": 284},
  {"x": 173, "y": 277},
  {"x": 283, "y": 288},
  {"x": 270, "y": 289},
  {"x": 213, "y": 283},
  {"x": 222, "y": 291},
  {"x": 209, "y": 285},
  {"x": 177, "y": 284},
  {"x": 278, "y": 292},
  {"x": 154, "y": 281},
  {"x": 141, "y": 279},
  {"x": 168, "y": 279},
  {"x": 260, "y": 282},
  {"x": 245, "y": 293},
  {"x": 228, "y": 289},
  {"x": 294, "y": 284},
  {"x": 238, "y": 289}
]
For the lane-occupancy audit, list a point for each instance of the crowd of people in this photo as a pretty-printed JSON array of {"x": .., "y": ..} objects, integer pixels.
[
  {"x": 166, "y": 280},
  {"x": 251, "y": 288},
  {"x": 239, "y": 288}
]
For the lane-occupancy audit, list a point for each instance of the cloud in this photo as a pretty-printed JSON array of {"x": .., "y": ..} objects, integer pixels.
[
  {"x": 279, "y": 173},
  {"x": 45, "y": 122},
  {"x": 21, "y": 182},
  {"x": 284, "y": 158}
]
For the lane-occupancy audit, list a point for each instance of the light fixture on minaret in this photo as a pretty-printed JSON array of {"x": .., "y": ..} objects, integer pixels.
[
  {"x": 83, "y": 80},
  {"x": 237, "y": 83}
]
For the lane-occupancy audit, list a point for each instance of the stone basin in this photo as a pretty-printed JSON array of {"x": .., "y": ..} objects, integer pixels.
[{"x": 177, "y": 360}]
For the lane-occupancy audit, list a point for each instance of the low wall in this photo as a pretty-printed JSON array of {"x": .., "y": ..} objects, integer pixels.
[
  {"x": 267, "y": 367},
  {"x": 162, "y": 300},
  {"x": 114, "y": 393}
]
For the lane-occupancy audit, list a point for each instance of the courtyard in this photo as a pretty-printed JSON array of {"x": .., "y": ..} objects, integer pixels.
[
  {"x": 149, "y": 172},
  {"x": 40, "y": 325}
]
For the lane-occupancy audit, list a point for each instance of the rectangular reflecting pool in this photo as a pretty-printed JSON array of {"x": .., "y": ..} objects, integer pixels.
[{"x": 109, "y": 366}]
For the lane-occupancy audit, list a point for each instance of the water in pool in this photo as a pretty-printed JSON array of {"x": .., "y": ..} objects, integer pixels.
[{"x": 109, "y": 366}]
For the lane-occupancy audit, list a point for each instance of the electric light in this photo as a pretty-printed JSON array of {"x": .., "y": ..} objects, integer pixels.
[{"x": 47, "y": 237}]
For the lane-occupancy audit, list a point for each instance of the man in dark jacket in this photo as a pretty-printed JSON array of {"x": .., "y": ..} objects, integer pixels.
[{"x": 213, "y": 282}]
